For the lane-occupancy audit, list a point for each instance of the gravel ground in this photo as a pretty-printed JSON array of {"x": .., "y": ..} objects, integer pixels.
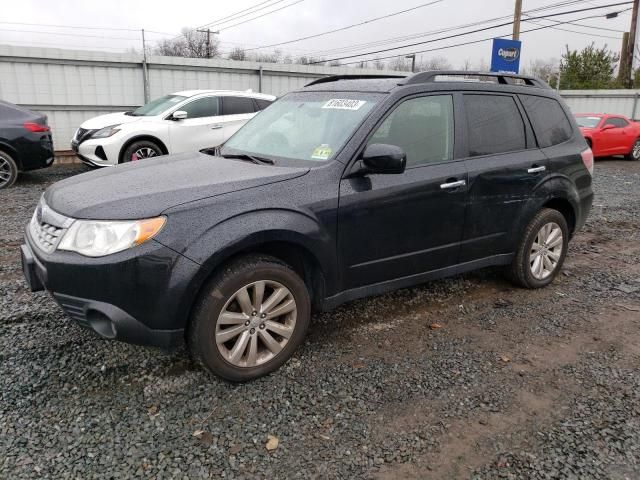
[{"x": 462, "y": 378}]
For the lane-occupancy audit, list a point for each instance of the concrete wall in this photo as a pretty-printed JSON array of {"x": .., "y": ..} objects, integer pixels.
[
  {"x": 71, "y": 86},
  {"x": 621, "y": 102}
]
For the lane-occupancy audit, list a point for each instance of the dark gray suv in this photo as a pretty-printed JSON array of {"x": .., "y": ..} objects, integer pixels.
[{"x": 349, "y": 187}]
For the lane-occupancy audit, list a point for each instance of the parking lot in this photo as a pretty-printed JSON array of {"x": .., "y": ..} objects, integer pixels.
[{"x": 466, "y": 377}]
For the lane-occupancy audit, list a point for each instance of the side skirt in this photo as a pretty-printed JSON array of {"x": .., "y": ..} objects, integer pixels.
[{"x": 412, "y": 280}]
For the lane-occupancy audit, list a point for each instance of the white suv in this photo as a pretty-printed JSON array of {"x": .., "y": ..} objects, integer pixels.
[{"x": 181, "y": 122}]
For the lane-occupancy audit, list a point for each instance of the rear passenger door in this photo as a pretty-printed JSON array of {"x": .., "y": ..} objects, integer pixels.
[
  {"x": 236, "y": 112},
  {"x": 504, "y": 166},
  {"x": 393, "y": 226}
]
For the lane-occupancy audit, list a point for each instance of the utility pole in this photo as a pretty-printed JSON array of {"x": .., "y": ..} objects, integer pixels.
[
  {"x": 631, "y": 44},
  {"x": 413, "y": 62},
  {"x": 623, "y": 74},
  {"x": 145, "y": 71},
  {"x": 208, "y": 32},
  {"x": 516, "y": 20}
]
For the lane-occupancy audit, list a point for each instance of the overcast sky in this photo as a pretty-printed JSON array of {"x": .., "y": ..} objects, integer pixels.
[{"x": 304, "y": 18}]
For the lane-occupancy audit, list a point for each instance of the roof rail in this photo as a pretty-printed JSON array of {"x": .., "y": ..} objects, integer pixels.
[
  {"x": 502, "y": 78},
  {"x": 335, "y": 78}
]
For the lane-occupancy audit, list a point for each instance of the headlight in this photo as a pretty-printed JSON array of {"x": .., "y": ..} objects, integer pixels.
[
  {"x": 106, "y": 132},
  {"x": 95, "y": 238}
]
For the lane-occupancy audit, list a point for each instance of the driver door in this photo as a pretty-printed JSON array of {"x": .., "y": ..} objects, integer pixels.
[
  {"x": 203, "y": 127},
  {"x": 403, "y": 225}
]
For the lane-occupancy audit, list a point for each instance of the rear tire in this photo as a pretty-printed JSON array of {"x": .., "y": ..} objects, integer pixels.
[
  {"x": 250, "y": 319},
  {"x": 541, "y": 251},
  {"x": 141, "y": 150},
  {"x": 8, "y": 170},
  {"x": 634, "y": 154}
]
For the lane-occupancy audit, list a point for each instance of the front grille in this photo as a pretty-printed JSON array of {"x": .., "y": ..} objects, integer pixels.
[
  {"x": 83, "y": 134},
  {"x": 45, "y": 235},
  {"x": 47, "y": 227}
]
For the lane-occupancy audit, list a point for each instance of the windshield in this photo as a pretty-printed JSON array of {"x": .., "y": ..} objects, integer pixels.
[
  {"x": 157, "y": 106},
  {"x": 309, "y": 126},
  {"x": 588, "y": 122}
]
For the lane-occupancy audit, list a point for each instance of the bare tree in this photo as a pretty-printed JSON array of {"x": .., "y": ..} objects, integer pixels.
[
  {"x": 467, "y": 65},
  {"x": 238, "y": 53},
  {"x": 191, "y": 43},
  {"x": 435, "y": 63},
  {"x": 400, "y": 63},
  {"x": 379, "y": 64}
]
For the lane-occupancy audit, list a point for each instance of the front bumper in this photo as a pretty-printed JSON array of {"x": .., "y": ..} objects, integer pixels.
[
  {"x": 102, "y": 152},
  {"x": 139, "y": 296}
]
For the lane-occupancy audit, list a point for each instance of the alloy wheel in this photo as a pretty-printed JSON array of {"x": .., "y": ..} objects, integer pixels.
[
  {"x": 546, "y": 251},
  {"x": 635, "y": 153},
  {"x": 256, "y": 323},
  {"x": 5, "y": 171},
  {"x": 144, "y": 152}
]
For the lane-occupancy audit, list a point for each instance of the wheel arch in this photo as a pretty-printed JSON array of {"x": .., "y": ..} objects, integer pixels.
[
  {"x": 137, "y": 138},
  {"x": 565, "y": 207},
  {"x": 11, "y": 151}
]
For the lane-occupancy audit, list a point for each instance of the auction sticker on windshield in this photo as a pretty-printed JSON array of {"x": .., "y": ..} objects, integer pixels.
[
  {"x": 323, "y": 152},
  {"x": 344, "y": 104}
]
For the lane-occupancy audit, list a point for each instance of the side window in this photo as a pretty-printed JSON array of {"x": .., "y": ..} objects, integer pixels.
[
  {"x": 494, "y": 124},
  {"x": 423, "y": 127},
  {"x": 262, "y": 104},
  {"x": 203, "y": 107},
  {"x": 237, "y": 105},
  {"x": 548, "y": 119},
  {"x": 616, "y": 122}
]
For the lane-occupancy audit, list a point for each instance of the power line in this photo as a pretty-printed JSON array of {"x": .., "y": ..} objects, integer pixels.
[
  {"x": 418, "y": 35},
  {"x": 67, "y": 34},
  {"x": 471, "y": 42},
  {"x": 260, "y": 16},
  {"x": 393, "y": 40},
  {"x": 237, "y": 15},
  {"x": 470, "y": 32},
  {"x": 348, "y": 26},
  {"x": 590, "y": 34}
]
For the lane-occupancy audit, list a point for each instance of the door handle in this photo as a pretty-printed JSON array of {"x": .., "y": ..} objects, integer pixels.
[
  {"x": 216, "y": 127},
  {"x": 456, "y": 184},
  {"x": 536, "y": 169}
]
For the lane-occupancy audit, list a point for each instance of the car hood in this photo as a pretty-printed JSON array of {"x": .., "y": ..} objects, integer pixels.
[
  {"x": 147, "y": 188},
  {"x": 108, "y": 120}
]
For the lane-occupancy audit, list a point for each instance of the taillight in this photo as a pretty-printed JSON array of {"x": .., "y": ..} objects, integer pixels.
[
  {"x": 587, "y": 159},
  {"x": 36, "y": 127}
]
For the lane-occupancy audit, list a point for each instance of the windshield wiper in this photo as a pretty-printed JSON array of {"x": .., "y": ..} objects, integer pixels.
[{"x": 249, "y": 158}]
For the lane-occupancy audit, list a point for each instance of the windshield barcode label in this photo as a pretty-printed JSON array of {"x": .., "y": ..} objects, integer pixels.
[{"x": 344, "y": 104}]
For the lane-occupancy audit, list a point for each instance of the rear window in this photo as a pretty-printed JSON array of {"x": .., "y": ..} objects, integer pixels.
[
  {"x": 495, "y": 124},
  {"x": 548, "y": 119},
  {"x": 262, "y": 104},
  {"x": 237, "y": 105}
]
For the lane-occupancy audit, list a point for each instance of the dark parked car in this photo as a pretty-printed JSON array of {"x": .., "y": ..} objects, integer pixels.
[
  {"x": 25, "y": 142},
  {"x": 346, "y": 188}
]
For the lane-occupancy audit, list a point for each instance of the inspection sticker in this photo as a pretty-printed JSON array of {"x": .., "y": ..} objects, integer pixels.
[
  {"x": 344, "y": 104},
  {"x": 323, "y": 152}
]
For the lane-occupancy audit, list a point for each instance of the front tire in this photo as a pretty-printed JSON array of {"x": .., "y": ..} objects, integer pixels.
[
  {"x": 141, "y": 150},
  {"x": 541, "y": 251},
  {"x": 8, "y": 170},
  {"x": 250, "y": 319},
  {"x": 634, "y": 154}
]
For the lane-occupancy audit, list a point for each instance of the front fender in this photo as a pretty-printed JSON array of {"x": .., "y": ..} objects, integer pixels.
[{"x": 250, "y": 230}]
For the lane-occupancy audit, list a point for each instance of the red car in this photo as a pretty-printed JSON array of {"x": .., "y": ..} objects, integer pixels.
[{"x": 609, "y": 134}]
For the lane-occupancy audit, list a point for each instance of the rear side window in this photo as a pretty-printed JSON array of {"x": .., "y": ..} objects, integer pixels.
[
  {"x": 237, "y": 105},
  {"x": 262, "y": 104},
  {"x": 203, "y": 107},
  {"x": 494, "y": 125},
  {"x": 423, "y": 127},
  {"x": 616, "y": 122},
  {"x": 548, "y": 119}
]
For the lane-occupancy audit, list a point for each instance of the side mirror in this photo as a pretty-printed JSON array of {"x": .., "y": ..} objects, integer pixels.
[
  {"x": 179, "y": 115},
  {"x": 383, "y": 158},
  {"x": 608, "y": 127}
]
